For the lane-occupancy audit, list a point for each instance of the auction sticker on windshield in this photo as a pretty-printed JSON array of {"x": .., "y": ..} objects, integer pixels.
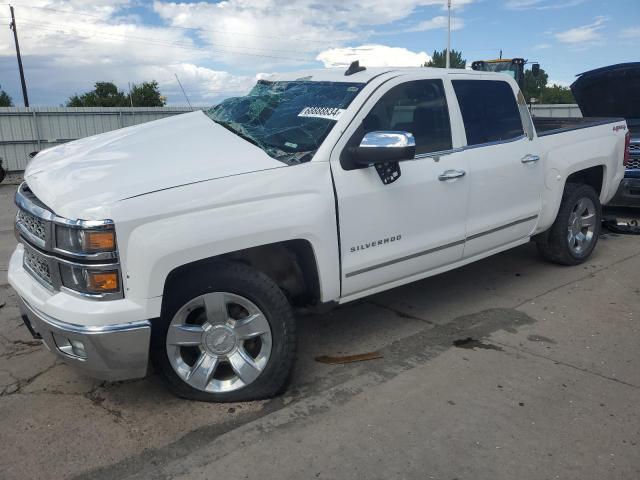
[{"x": 328, "y": 113}]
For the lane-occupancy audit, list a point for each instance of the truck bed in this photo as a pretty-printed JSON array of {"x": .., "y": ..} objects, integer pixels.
[{"x": 552, "y": 125}]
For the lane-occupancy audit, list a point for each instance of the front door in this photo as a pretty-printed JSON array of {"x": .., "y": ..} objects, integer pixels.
[{"x": 395, "y": 233}]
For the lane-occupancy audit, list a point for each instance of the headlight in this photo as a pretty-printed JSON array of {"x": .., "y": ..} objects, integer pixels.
[
  {"x": 85, "y": 279},
  {"x": 83, "y": 241}
]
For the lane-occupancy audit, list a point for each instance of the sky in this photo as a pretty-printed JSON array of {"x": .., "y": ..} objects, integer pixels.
[{"x": 219, "y": 48}]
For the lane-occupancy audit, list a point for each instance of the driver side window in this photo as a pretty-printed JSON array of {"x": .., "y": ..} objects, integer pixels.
[{"x": 418, "y": 107}]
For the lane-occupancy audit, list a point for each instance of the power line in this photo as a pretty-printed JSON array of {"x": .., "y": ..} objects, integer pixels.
[
  {"x": 227, "y": 32},
  {"x": 172, "y": 41},
  {"x": 109, "y": 36}
]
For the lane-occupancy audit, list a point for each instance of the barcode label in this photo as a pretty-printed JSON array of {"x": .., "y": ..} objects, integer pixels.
[{"x": 328, "y": 113}]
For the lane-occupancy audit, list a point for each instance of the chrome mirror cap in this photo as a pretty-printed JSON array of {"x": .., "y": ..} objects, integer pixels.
[{"x": 388, "y": 139}]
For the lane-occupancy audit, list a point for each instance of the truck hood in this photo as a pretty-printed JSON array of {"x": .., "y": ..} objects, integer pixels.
[
  {"x": 612, "y": 91},
  {"x": 81, "y": 178}
]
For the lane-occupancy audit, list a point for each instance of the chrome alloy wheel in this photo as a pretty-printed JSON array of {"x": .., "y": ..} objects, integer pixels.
[
  {"x": 582, "y": 226},
  {"x": 219, "y": 342}
]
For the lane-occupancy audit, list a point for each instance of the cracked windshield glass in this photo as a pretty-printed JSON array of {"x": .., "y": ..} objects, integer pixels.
[{"x": 288, "y": 120}]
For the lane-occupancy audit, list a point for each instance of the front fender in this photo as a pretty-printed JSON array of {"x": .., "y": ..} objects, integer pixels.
[{"x": 208, "y": 219}]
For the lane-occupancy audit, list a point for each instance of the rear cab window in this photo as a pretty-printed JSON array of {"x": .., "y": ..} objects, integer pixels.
[{"x": 489, "y": 110}]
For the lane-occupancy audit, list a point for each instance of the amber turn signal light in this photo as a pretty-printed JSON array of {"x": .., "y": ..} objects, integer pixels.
[
  {"x": 100, "y": 240},
  {"x": 101, "y": 282}
]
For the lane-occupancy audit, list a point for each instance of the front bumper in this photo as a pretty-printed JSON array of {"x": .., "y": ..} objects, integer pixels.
[
  {"x": 628, "y": 194},
  {"x": 114, "y": 334},
  {"x": 110, "y": 352}
]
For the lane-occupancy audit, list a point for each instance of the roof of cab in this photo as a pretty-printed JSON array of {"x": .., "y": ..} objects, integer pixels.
[{"x": 365, "y": 76}]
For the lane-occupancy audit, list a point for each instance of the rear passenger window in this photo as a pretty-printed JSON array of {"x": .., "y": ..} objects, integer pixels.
[
  {"x": 418, "y": 107},
  {"x": 489, "y": 110}
]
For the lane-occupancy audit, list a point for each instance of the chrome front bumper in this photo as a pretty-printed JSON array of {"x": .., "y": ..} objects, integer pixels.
[{"x": 110, "y": 352}]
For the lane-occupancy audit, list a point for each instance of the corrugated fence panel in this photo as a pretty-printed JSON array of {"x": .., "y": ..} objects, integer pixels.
[
  {"x": 558, "y": 110},
  {"x": 26, "y": 130}
]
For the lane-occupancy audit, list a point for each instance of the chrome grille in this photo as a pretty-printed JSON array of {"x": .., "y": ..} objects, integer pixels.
[
  {"x": 38, "y": 266},
  {"x": 35, "y": 226},
  {"x": 634, "y": 162},
  {"x": 634, "y": 149}
]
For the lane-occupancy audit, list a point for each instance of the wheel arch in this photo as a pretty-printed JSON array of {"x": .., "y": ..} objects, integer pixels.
[
  {"x": 594, "y": 175},
  {"x": 291, "y": 264}
]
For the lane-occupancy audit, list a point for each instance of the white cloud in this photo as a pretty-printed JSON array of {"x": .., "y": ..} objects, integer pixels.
[
  {"x": 560, "y": 83},
  {"x": 540, "y": 46},
  {"x": 541, "y": 4},
  {"x": 436, "y": 23},
  {"x": 457, "y": 4},
  {"x": 302, "y": 27},
  {"x": 631, "y": 32},
  {"x": 373, "y": 56},
  {"x": 584, "y": 34},
  {"x": 216, "y": 48},
  {"x": 68, "y": 47}
]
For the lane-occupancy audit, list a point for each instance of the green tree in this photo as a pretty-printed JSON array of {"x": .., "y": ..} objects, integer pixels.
[
  {"x": 105, "y": 94},
  {"x": 439, "y": 59},
  {"x": 5, "y": 99},
  {"x": 147, "y": 94},
  {"x": 533, "y": 86},
  {"x": 557, "y": 94}
]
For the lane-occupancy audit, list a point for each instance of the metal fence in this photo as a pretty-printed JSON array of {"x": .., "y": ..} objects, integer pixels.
[
  {"x": 557, "y": 110},
  {"x": 26, "y": 130}
]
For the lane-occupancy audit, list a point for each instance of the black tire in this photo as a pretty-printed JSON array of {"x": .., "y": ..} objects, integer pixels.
[
  {"x": 554, "y": 246},
  {"x": 247, "y": 282}
]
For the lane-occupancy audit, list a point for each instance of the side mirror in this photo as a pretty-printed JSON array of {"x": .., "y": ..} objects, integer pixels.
[
  {"x": 382, "y": 147},
  {"x": 535, "y": 69}
]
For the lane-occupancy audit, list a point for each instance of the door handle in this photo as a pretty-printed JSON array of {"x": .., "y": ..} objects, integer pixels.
[
  {"x": 451, "y": 175},
  {"x": 530, "y": 158}
]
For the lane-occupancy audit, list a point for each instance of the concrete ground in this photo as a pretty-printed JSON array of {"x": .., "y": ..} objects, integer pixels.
[{"x": 510, "y": 368}]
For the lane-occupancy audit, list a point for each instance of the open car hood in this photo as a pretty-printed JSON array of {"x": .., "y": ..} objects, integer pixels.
[{"x": 612, "y": 91}]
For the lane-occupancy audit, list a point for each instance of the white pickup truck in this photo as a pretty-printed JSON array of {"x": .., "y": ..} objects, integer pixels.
[{"x": 187, "y": 243}]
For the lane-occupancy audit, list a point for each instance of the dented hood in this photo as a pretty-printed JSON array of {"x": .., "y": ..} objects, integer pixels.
[
  {"x": 79, "y": 179},
  {"x": 612, "y": 91}
]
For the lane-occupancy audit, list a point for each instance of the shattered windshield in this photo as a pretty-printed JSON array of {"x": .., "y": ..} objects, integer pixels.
[{"x": 288, "y": 120}]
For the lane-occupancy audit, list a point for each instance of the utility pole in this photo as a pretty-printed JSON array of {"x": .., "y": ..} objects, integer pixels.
[
  {"x": 15, "y": 37},
  {"x": 449, "y": 36}
]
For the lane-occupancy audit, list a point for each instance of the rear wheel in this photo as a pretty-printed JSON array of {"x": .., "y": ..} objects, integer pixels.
[
  {"x": 227, "y": 337},
  {"x": 574, "y": 234}
]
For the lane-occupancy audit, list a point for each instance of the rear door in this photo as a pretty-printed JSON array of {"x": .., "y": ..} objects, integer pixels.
[
  {"x": 505, "y": 172},
  {"x": 395, "y": 233}
]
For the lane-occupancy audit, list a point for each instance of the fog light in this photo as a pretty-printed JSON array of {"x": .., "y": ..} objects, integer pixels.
[
  {"x": 73, "y": 348},
  {"x": 77, "y": 348}
]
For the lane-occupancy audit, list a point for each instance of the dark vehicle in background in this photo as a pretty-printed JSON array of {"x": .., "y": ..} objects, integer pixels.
[
  {"x": 513, "y": 67},
  {"x": 614, "y": 91}
]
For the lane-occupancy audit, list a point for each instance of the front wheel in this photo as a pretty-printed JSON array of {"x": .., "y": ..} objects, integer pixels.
[
  {"x": 574, "y": 234},
  {"x": 226, "y": 336}
]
